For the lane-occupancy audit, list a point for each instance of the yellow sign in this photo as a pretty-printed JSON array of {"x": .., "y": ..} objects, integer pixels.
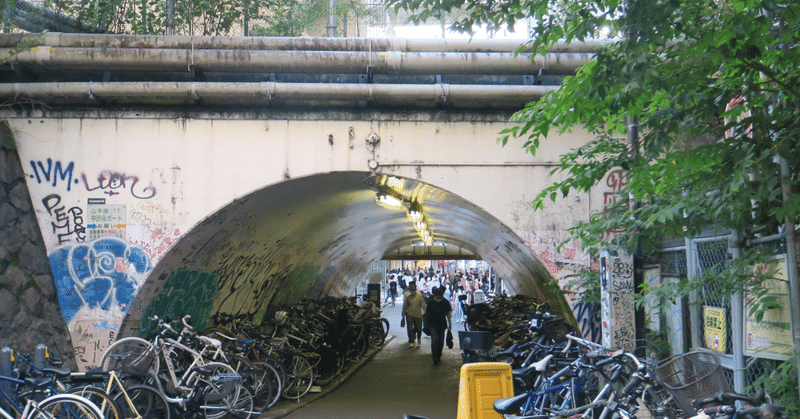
[
  {"x": 715, "y": 329},
  {"x": 771, "y": 337}
]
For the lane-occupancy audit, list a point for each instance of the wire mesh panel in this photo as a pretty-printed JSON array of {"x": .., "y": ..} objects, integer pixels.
[{"x": 713, "y": 256}]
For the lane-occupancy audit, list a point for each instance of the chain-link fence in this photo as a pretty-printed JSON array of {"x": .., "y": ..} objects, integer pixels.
[{"x": 709, "y": 319}]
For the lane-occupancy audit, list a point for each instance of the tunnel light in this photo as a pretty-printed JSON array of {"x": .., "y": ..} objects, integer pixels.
[
  {"x": 388, "y": 199},
  {"x": 424, "y": 233},
  {"x": 428, "y": 240},
  {"x": 415, "y": 215},
  {"x": 420, "y": 225}
]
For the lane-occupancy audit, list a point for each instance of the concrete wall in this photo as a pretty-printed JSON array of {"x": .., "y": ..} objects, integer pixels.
[{"x": 113, "y": 194}]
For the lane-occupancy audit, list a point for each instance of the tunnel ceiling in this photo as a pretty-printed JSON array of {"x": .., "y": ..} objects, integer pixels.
[{"x": 319, "y": 236}]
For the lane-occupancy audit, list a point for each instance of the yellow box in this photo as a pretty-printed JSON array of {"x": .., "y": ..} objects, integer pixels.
[{"x": 480, "y": 385}]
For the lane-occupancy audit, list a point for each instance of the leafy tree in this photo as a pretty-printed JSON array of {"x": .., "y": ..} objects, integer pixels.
[
  {"x": 675, "y": 69},
  {"x": 199, "y": 17},
  {"x": 712, "y": 86}
]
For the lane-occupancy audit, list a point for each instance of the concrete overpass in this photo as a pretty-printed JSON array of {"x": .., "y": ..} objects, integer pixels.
[{"x": 190, "y": 175}]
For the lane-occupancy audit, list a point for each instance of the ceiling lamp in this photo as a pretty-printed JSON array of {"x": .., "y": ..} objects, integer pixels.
[
  {"x": 388, "y": 199},
  {"x": 415, "y": 212}
]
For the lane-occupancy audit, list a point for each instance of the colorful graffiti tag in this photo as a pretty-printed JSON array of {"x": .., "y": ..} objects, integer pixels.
[{"x": 96, "y": 282}]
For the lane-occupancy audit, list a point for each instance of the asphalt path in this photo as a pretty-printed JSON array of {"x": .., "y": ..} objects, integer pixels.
[{"x": 396, "y": 381}]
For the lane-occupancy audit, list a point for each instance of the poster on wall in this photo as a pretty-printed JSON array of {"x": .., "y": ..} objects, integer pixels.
[
  {"x": 771, "y": 337},
  {"x": 105, "y": 221},
  {"x": 617, "y": 302},
  {"x": 715, "y": 327}
]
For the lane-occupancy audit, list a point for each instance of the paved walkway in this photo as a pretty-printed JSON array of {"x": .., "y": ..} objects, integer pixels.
[{"x": 395, "y": 381}]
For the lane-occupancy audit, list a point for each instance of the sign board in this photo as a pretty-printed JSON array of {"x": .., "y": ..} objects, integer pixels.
[
  {"x": 617, "y": 303},
  {"x": 106, "y": 220},
  {"x": 715, "y": 328},
  {"x": 771, "y": 337}
]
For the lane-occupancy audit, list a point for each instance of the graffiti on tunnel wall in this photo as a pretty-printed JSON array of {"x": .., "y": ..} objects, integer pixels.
[
  {"x": 185, "y": 292},
  {"x": 96, "y": 282},
  {"x": 97, "y": 271}
]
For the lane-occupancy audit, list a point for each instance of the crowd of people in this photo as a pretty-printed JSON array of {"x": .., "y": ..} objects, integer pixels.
[{"x": 436, "y": 297}]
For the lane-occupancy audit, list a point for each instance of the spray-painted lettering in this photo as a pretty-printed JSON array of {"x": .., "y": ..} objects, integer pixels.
[
  {"x": 68, "y": 223},
  {"x": 111, "y": 182},
  {"x": 53, "y": 172}
]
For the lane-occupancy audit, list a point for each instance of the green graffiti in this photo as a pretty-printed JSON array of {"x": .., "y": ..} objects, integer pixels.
[
  {"x": 295, "y": 285},
  {"x": 184, "y": 292}
]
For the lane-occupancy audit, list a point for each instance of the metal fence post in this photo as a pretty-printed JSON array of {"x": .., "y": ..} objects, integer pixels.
[
  {"x": 6, "y": 369},
  {"x": 39, "y": 356},
  {"x": 737, "y": 326}
]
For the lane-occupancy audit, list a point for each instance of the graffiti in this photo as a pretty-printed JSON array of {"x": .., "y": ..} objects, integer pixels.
[
  {"x": 184, "y": 292},
  {"x": 68, "y": 223},
  {"x": 297, "y": 284},
  {"x": 53, "y": 173},
  {"x": 588, "y": 318},
  {"x": 110, "y": 182},
  {"x": 104, "y": 274},
  {"x": 154, "y": 240},
  {"x": 617, "y": 302},
  {"x": 145, "y": 212}
]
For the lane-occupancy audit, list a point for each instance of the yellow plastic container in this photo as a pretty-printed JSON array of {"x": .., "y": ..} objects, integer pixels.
[{"x": 480, "y": 385}]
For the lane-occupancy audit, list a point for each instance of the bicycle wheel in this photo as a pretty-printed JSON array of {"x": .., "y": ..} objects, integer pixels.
[
  {"x": 101, "y": 399},
  {"x": 240, "y": 406},
  {"x": 120, "y": 353},
  {"x": 266, "y": 384},
  {"x": 218, "y": 391},
  {"x": 148, "y": 402},
  {"x": 299, "y": 377},
  {"x": 65, "y": 406},
  {"x": 376, "y": 333}
]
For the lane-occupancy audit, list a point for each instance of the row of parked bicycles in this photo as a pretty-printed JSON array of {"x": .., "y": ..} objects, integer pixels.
[
  {"x": 49, "y": 394},
  {"x": 560, "y": 375},
  {"x": 234, "y": 369}
]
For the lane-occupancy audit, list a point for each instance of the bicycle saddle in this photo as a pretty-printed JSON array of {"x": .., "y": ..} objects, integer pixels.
[{"x": 511, "y": 405}]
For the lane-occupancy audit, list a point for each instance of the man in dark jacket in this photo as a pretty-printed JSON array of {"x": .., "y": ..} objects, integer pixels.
[{"x": 437, "y": 314}]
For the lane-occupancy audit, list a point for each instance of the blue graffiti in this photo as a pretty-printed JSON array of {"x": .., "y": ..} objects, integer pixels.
[
  {"x": 589, "y": 320},
  {"x": 53, "y": 173},
  {"x": 105, "y": 274}
]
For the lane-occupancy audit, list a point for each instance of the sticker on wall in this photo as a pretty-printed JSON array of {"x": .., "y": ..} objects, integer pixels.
[{"x": 105, "y": 221}]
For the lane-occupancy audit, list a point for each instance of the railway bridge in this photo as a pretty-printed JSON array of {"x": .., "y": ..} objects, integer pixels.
[{"x": 176, "y": 174}]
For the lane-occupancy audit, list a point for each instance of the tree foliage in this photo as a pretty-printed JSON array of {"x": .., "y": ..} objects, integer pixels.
[
  {"x": 688, "y": 72},
  {"x": 205, "y": 17}
]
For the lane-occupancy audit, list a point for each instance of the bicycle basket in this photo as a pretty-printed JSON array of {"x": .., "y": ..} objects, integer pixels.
[
  {"x": 223, "y": 386},
  {"x": 692, "y": 375},
  {"x": 138, "y": 361}
]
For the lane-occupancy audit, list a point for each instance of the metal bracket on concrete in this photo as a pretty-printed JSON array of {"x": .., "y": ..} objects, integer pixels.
[
  {"x": 196, "y": 73},
  {"x": 366, "y": 78}
]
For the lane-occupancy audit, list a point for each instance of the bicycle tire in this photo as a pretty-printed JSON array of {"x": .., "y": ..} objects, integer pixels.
[
  {"x": 299, "y": 377},
  {"x": 65, "y": 406},
  {"x": 377, "y": 337},
  {"x": 265, "y": 382},
  {"x": 114, "y": 353},
  {"x": 241, "y": 406},
  {"x": 216, "y": 400},
  {"x": 101, "y": 399},
  {"x": 148, "y": 402}
]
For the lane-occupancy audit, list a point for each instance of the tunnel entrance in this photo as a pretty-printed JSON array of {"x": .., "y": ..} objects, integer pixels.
[{"x": 318, "y": 236}]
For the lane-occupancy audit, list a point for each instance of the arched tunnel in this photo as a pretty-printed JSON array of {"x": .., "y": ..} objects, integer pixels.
[{"x": 317, "y": 236}]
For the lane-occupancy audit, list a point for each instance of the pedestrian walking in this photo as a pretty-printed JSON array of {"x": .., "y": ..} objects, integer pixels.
[
  {"x": 413, "y": 310},
  {"x": 392, "y": 291},
  {"x": 437, "y": 315}
]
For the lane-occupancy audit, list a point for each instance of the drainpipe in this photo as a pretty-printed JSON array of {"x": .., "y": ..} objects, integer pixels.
[
  {"x": 74, "y": 40},
  {"x": 332, "y": 18},
  {"x": 260, "y": 61},
  {"x": 269, "y": 92}
]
